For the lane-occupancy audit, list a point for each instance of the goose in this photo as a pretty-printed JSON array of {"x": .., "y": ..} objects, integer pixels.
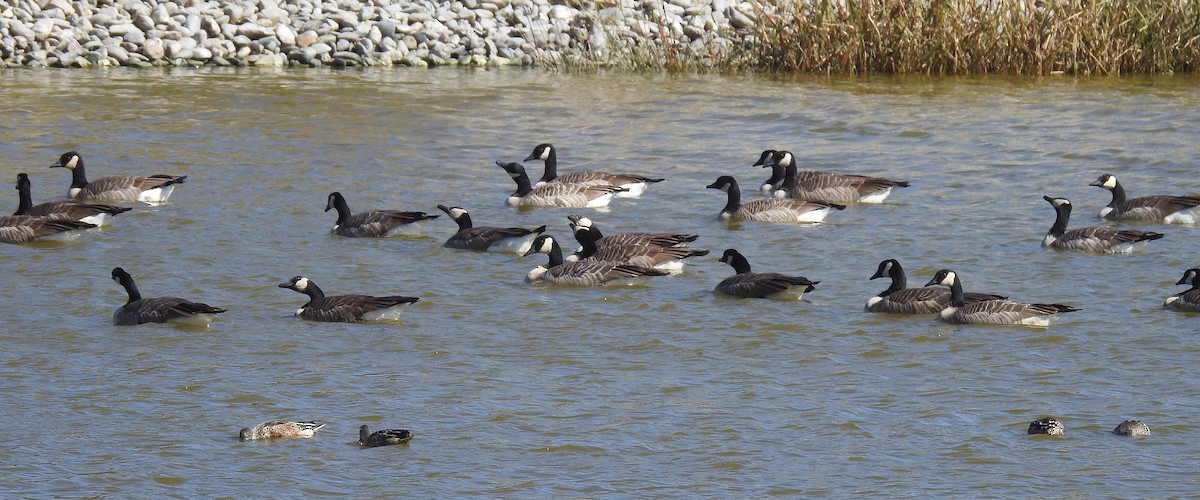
[
  {"x": 375, "y": 223},
  {"x": 1161, "y": 208},
  {"x": 1188, "y": 300},
  {"x": 760, "y": 285},
  {"x": 774, "y": 182},
  {"x": 368, "y": 439},
  {"x": 654, "y": 239},
  {"x": 829, "y": 187},
  {"x": 1048, "y": 426},
  {"x": 1132, "y": 428},
  {"x": 345, "y": 308},
  {"x": 992, "y": 312},
  {"x": 100, "y": 215},
  {"x": 635, "y": 184},
  {"x": 557, "y": 194},
  {"x": 583, "y": 273},
  {"x": 665, "y": 258},
  {"x": 26, "y": 228},
  {"x": 1091, "y": 239},
  {"x": 898, "y": 299},
  {"x": 769, "y": 210},
  {"x": 150, "y": 189},
  {"x": 279, "y": 429},
  {"x": 500, "y": 239},
  {"x": 137, "y": 310}
]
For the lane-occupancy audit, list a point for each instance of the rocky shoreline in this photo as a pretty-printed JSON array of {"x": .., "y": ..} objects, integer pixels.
[{"x": 341, "y": 33}]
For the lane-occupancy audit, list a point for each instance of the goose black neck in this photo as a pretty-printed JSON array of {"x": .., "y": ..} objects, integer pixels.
[
  {"x": 1118, "y": 195},
  {"x": 130, "y": 288},
  {"x": 78, "y": 177},
  {"x": 587, "y": 240},
  {"x": 551, "y": 172},
  {"x": 735, "y": 197},
  {"x": 464, "y": 221},
  {"x": 777, "y": 172},
  {"x": 313, "y": 291},
  {"x": 25, "y": 200},
  {"x": 739, "y": 263},
  {"x": 521, "y": 178},
  {"x": 956, "y": 293},
  {"x": 1062, "y": 215},
  {"x": 899, "y": 280},
  {"x": 343, "y": 209},
  {"x": 790, "y": 173},
  {"x": 556, "y": 257}
]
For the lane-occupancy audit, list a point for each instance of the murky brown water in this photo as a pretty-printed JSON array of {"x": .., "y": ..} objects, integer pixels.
[{"x": 658, "y": 390}]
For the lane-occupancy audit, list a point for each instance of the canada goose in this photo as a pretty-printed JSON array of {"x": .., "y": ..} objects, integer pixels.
[
  {"x": 118, "y": 188},
  {"x": 345, "y": 308},
  {"x": 279, "y": 429},
  {"x": 1132, "y": 428},
  {"x": 26, "y": 228},
  {"x": 99, "y": 215},
  {"x": 368, "y": 439},
  {"x": 375, "y": 223},
  {"x": 761, "y": 285},
  {"x": 992, "y": 312},
  {"x": 635, "y": 184},
  {"x": 769, "y": 210},
  {"x": 500, "y": 239},
  {"x": 1048, "y": 426},
  {"x": 584, "y": 273},
  {"x": 160, "y": 309},
  {"x": 899, "y": 299},
  {"x": 665, "y": 258},
  {"x": 602, "y": 240},
  {"x": 1162, "y": 208},
  {"x": 1188, "y": 300},
  {"x": 829, "y": 187},
  {"x": 778, "y": 172},
  {"x": 556, "y": 194},
  {"x": 1091, "y": 239}
]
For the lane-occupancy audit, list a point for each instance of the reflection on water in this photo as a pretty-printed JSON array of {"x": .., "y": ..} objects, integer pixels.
[{"x": 660, "y": 389}]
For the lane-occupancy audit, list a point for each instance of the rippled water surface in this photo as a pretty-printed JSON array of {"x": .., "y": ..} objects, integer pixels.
[{"x": 655, "y": 390}]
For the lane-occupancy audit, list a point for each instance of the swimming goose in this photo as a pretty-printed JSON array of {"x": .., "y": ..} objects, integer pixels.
[
  {"x": 160, "y": 309},
  {"x": 26, "y": 228},
  {"x": 602, "y": 240},
  {"x": 761, "y": 285},
  {"x": 774, "y": 182},
  {"x": 1132, "y": 428},
  {"x": 279, "y": 429},
  {"x": 1162, "y": 208},
  {"x": 1188, "y": 300},
  {"x": 1048, "y": 426},
  {"x": 899, "y": 299},
  {"x": 345, "y": 308},
  {"x": 99, "y": 215},
  {"x": 375, "y": 223},
  {"x": 1091, "y": 239},
  {"x": 118, "y": 188},
  {"x": 499, "y": 239},
  {"x": 368, "y": 439},
  {"x": 665, "y": 258},
  {"x": 635, "y": 184},
  {"x": 829, "y": 187},
  {"x": 583, "y": 273},
  {"x": 556, "y": 194},
  {"x": 769, "y": 210},
  {"x": 992, "y": 312}
]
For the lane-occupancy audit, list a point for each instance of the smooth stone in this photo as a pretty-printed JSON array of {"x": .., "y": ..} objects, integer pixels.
[
  {"x": 285, "y": 35},
  {"x": 153, "y": 49},
  {"x": 307, "y": 38},
  {"x": 254, "y": 31}
]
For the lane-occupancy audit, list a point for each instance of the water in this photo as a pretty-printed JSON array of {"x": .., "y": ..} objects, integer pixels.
[{"x": 656, "y": 390}]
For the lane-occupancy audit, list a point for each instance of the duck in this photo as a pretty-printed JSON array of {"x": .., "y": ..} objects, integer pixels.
[
  {"x": 828, "y": 187},
  {"x": 899, "y": 299},
  {"x": 279, "y": 429},
  {"x": 557, "y": 194},
  {"x": 99, "y": 215},
  {"x": 374, "y": 223},
  {"x": 1100, "y": 240},
  {"x": 1048, "y": 426},
  {"x": 497, "y": 239},
  {"x": 1132, "y": 428},
  {"x": 1188, "y": 300},
  {"x": 26, "y": 228},
  {"x": 992, "y": 312},
  {"x": 150, "y": 189},
  {"x": 138, "y": 310},
  {"x": 665, "y": 258},
  {"x": 748, "y": 284},
  {"x": 634, "y": 184},
  {"x": 1162, "y": 208},
  {"x": 581, "y": 273},
  {"x": 368, "y": 439},
  {"x": 601, "y": 240},
  {"x": 769, "y": 210},
  {"x": 345, "y": 308}
]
